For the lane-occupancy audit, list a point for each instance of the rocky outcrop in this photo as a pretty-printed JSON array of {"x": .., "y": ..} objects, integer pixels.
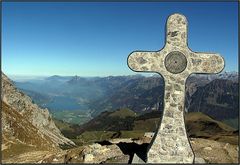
[
  {"x": 97, "y": 153},
  {"x": 120, "y": 151},
  {"x": 93, "y": 153},
  {"x": 18, "y": 132},
  {"x": 215, "y": 152},
  {"x": 39, "y": 118}
]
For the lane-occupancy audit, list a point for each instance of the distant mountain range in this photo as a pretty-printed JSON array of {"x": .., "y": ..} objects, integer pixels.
[
  {"x": 214, "y": 95},
  {"x": 219, "y": 99}
]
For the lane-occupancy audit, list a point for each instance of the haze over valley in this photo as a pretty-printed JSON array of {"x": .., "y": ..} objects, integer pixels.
[{"x": 76, "y": 99}]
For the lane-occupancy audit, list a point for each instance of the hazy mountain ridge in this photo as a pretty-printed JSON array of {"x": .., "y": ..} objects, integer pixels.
[
  {"x": 218, "y": 99},
  {"x": 139, "y": 93},
  {"x": 143, "y": 96},
  {"x": 40, "y": 99},
  {"x": 79, "y": 88},
  {"x": 233, "y": 76}
]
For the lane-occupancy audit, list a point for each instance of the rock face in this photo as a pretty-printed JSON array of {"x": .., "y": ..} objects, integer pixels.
[
  {"x": 19, "y": 135},
  {"x": 218, "y": 99},
  {"x": 215, "y": 152},
  {"x": 97, "y": 153},
  {"x": 21, "y": 105}
]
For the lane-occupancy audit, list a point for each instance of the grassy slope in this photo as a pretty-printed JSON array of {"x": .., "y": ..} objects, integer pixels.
[
  {"x": 62, "y": 125},
  {"x": 201, "y": 125},
  {"x": 123, "y": 113},
  {"x": 124, "y": 123},
  {"x": 232, "y": 122},
  {"x": 198, "y": 116},
  {"x": 21, "y": 136}
]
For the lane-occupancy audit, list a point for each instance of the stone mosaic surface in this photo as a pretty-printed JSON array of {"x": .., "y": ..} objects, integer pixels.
[{"x": 175, "y": 62}]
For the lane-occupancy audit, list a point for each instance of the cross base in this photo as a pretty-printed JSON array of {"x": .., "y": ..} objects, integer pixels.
[{"x": 137, "y": 160}]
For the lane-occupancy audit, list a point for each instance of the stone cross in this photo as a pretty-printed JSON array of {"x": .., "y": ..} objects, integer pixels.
[{"x": 174, "y": 62}]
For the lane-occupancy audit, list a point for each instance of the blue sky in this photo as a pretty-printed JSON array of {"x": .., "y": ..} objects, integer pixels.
[{"x": 95, "y": 39}]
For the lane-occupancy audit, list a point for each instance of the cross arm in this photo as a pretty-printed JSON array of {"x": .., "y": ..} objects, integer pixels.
[
  {"x": 144, "y": 61},
  {"x": 206, "y": 62}
]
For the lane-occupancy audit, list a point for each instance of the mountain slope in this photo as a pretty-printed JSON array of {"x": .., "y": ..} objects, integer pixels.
[
  {"x": 39, "y": 118},
  {"x": 112, "y": 125},
  {"x": 19, "y": 135},
  {"x": 218, "y": 99},
  {"x": 199, "y": 125},
  {"x": 139, "y": 94},
  {"x": 121, "y": 119},
  {"x": 143, "y": 94}
]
